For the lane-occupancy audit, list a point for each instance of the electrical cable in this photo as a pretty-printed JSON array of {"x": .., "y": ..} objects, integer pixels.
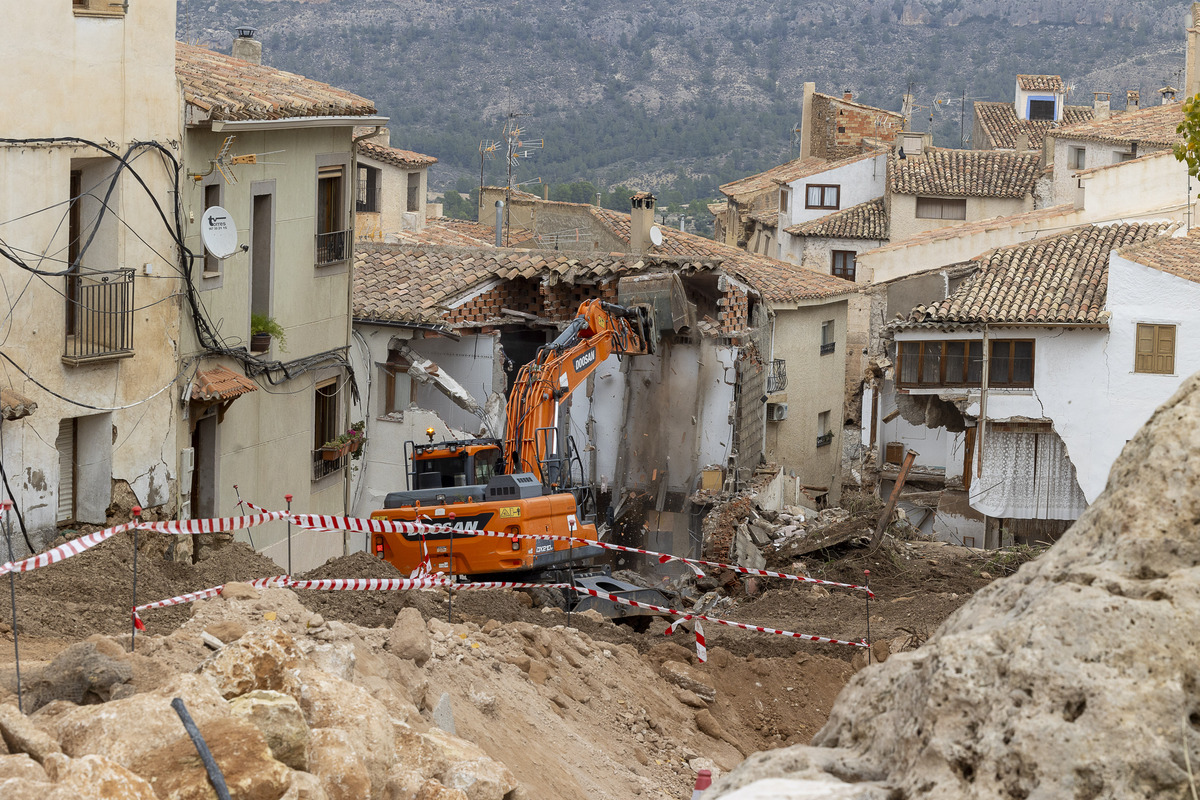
[
  {"x": 186, "y": 366},
  {"x": 13, "y": 498}
]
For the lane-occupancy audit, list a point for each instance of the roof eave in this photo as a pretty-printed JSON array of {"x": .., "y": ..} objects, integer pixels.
[{"x": 289, "y": 123}]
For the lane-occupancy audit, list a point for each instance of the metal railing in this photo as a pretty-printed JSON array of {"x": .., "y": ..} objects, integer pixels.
[
  {"x": 825, "y": 439},
  {"x": 322, "y": 467},
  {"x": 369, "y": 200},
  {"x": 776, "y": 376},
  {"x": 100, "y": 315},
  {"x": 827, "y": 348},
  {"x": 333, "y": 247}
]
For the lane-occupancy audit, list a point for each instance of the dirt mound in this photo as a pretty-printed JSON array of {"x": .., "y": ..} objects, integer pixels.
[{"x": 93, "y": 591}]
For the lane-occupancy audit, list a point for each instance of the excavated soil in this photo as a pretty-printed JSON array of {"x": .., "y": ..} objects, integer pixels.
[{"x": 773, "y": 691}]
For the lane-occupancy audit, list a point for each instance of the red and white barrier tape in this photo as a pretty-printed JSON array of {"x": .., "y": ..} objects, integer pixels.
[
  {"x": 698, "y": 630},
  {"x": 204, "y": 594},
  {"x": 64, "y": 551},
  {"x": 358, "y": 525}
]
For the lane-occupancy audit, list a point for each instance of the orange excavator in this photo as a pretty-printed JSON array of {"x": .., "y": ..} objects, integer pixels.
[{"x": 525, "y": 485}]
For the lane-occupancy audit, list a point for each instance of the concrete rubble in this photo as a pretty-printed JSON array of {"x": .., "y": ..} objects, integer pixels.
[{"x": 1075, "y": 677}]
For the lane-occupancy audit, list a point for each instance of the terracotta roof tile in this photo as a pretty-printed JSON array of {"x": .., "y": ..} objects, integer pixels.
[
  {"x": 1001, "y": 125},
  {"x": 395, "y": 156},
  {"x": 220, "y": 383},
  {"x": 14, "y": 405},
  {"x": 745, "y": 188},
  {"x": 1154, "y": 125},
  {"x": 446, "y": 232},
  {"x": 228, "y": 88},
  {"x": 1057, "y": 280},
  {"x": 413, "y": 283},
  {"x": 867, "y": 220},
  {"x": 1177, "y": 255},
  {"x": 965, "y": 173},
  {"x": 778, "y": 281},
  {"x": 1041, "y": 83}
]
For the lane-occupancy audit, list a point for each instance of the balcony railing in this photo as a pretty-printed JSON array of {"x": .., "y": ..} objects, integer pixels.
[
  {"x": 332, "y": 247},
  {"x": 825, "y": 439},
  {"x": 777, "y": 376},
  {"x": 323, "y": 467},
  {"x": 827, "y": 347},
  {"x": 99, "y": 316}
]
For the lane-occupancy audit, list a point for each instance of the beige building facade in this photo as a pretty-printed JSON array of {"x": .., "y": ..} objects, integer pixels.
[
  {"x": 257, "y": 415},
  {"x": 91, "y": 324}
]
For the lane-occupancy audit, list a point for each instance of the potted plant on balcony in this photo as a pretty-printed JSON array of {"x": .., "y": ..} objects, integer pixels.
[
  {"x": 262, "y": 329},
  {"x": 357, "y": 438},
  {"x": 336, "y": 447}
]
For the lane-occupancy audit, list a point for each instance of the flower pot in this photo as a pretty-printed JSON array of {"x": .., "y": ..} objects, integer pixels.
[
  {"x": 334, "y": 453},
  {"x": 354, "y": 445},
  {"x": 260, "y": 342}
]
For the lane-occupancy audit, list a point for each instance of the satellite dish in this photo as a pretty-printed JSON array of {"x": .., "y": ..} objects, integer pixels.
[
  {"x": 218, "y": 232},
  {"x": 656, "y": 237}
]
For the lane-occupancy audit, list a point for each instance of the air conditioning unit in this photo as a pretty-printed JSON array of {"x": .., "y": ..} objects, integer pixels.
[{"x": 776, "y": 412}]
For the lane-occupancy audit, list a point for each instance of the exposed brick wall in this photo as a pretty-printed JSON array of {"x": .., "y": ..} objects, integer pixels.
[
  {"x": 558, "y": 302},
  {"x": 838, "y": 128},
  {"x": 733, "y": 312},
  {"x": 751, "y": 410}
]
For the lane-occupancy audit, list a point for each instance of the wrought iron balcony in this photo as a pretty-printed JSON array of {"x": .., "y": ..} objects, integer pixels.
[
  {"x": 332, "y": 247},
  {"x": 368, "y": 200},
  {"x": 827, "y": 347},
  {"x": 99, "y": 316},
  {"x": 777, "y": 376},
  {"x": 323, "y": 466},
  {"x": 825, "y": 439}
]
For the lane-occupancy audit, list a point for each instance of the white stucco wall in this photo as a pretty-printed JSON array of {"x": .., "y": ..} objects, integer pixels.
[
  {"x": 860, "y": 181},
  {"x": 903, "y": 221}
]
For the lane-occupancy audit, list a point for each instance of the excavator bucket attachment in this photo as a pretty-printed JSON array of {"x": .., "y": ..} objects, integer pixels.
[{"x": 663, "y": 295}]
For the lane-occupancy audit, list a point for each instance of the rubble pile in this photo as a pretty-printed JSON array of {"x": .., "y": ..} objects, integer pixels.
[
  {"x": 1075, "y": 677},
  {"x": 297, "y": 705}
]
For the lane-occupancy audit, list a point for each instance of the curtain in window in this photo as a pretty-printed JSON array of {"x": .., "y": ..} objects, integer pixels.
[{"x": 1027, "y": 476}]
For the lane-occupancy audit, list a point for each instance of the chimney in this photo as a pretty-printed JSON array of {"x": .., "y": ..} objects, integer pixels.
[
  {"x": 641, "y": 218},
  {"x": 246, "y": 47},
  {"x": 847, "y": 96},
  {"x": 1191, "y": 81},
  {"x": 1168, "y": 94},
  {"x": 1101, "y": 105},
  {"x": 806, "y": 105},
  {"x": 1133, "y": 100},
  {"x": 1022, "y": 142}
]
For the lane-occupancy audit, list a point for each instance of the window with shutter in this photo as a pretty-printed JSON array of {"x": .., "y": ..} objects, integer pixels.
[{"x": 1155, "y": 353}]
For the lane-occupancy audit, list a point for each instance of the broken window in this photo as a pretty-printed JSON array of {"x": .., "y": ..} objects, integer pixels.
[
  {"x": 941, "y": 208},
  {"x": 784, "y": 194},
  {"x": 960, "y": 363},
  {"x": 399, "y": 390},
  {"x": 1076, "y": 157},
  {"x": 1155, "y": 349},
  {"x": 821, "y": 196},
  {"x": 843, "y": 264}
]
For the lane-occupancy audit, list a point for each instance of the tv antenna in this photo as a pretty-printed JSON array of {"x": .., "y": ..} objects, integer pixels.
[
  {"x": 516, "y": 147},
  {"x": 487, "y": 151},
  {"x": 225, "y": 162}
]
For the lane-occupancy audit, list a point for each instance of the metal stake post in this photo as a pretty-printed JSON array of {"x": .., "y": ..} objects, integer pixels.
[
  {"x": 569, "y": 594},
  {"x": 137, "y": 512},
  {"x": 867, "y": 572},
  {"x": 249, "y": 531},
  {"x": 450, "y": 591},
  {"x": 288, "y": 497},
  {"x": 12, "y": 589}
]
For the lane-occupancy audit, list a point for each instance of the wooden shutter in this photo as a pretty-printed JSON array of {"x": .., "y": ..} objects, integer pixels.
[
  {"x": 1164, "y": 352},
  {"x": 1155, "y": 350},
  {"x": 65, "y": 444}
]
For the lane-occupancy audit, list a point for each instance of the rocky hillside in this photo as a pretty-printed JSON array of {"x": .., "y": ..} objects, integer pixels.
[{"x": 687, "y": 93}]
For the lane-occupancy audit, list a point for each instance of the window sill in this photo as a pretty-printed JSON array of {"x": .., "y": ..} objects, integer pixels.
[
  {"x": 76, "y": 361},
  {"x": 1155, "y": 374},
  {"x": 88, "y": 12},
  {"x": 210, "y": 276}
]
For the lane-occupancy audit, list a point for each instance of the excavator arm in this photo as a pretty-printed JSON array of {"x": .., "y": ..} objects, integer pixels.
[{"x": 598, "y": 331}]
